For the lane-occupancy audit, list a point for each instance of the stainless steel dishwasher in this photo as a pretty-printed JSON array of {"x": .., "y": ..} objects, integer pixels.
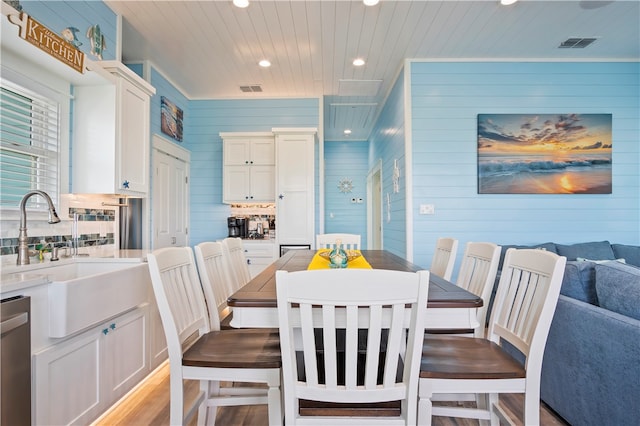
[{"x": 15, "y": 350}]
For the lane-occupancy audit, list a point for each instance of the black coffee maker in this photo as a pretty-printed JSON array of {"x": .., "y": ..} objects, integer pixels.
[{"x": 237, "y": 226}]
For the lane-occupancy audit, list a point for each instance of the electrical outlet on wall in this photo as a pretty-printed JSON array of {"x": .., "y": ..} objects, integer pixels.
[{"x": 427, "y": 209}]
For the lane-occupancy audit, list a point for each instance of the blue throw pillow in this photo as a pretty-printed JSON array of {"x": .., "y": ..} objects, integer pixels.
[
  {"x": 618, "y": 288},
  {"x": 579, "y": 281},
  {"x": 631, "y": 254},
  {"x": 600, "y": 250}
]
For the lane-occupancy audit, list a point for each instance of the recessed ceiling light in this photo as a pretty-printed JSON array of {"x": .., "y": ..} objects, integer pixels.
[
  {"x": 347, "y": 131},
  {"x": 264, "y": 63},
  {"x": 358, "y": 62},
  {"x": 241, "y": 3},
  {"x": 370, "y": 2},
  {"x": 507, "y": 2}
]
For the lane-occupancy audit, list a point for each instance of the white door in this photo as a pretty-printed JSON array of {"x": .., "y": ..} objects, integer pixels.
[
  {"x": 374, "y": 208},
  {"x": 170, "y": 197}
]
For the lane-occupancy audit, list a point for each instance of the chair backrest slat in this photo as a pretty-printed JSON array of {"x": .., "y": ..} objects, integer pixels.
[
  {"x": 526, "y": 299},
  {"x": 351, "y": 347}
]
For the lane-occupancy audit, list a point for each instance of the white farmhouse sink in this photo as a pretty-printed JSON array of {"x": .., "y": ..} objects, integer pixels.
[
  {"x": 84, "y": 294},
  {"x": 75, "y": 270}
]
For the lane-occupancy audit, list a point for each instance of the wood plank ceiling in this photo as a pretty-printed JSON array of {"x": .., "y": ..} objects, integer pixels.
[{"x": 209, "y": 49}]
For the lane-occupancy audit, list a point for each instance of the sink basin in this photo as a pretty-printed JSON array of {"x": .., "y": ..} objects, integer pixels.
[
  {"x": 82, "y": 295},
  {"x": 73, "y": 271}
]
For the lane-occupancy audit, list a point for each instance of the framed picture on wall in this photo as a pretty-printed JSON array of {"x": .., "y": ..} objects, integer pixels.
[
  {"x": 544, "y": 154},
  {"x": 170, "y": 119}
]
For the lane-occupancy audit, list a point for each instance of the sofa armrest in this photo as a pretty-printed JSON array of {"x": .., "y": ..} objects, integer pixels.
[{"x": 591, "y": 366}]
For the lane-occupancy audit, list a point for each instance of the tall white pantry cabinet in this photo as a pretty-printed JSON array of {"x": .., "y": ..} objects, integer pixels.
[{"x": 295, "y": 186}]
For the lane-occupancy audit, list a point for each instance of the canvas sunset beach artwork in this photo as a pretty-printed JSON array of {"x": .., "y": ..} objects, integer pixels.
[{"x": 544, "y": 154}]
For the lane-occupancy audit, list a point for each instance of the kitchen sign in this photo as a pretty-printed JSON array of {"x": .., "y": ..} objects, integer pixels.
[{"x": 48, "y": 41}]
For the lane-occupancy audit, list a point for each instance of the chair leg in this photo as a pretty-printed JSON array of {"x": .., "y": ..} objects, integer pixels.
[
  {"x": 531, "y": 408},
  {"x": 425, "y": 406},
  {"x": 176, "y": 400},
  {"x": 483, "y": 403},
  {"x": 493, "y": 402},
  {"x": 211, "y": 388},
  {"x": 206, "y": 416},
  {"x": 274, "y": 404}
]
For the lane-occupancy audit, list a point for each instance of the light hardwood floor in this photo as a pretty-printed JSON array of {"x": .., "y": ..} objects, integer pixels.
[{"x": 149, "y": 405}]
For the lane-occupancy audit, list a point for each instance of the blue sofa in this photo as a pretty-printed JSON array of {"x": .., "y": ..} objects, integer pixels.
[{"x": 591, "y": 365}]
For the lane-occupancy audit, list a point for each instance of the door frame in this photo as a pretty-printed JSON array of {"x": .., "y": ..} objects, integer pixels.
[
  {"x": 374, "y": 204},
  {"x": 164, "y": 145}
]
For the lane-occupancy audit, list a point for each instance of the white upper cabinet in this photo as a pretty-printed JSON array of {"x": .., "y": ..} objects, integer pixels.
[
  {"x": 249, "y": 167},
  {"x": 110, "y": 140}
]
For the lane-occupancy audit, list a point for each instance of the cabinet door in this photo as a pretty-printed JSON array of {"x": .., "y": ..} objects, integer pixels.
[
  {"x": 263, "y": 151},
  {"x": 133, "y": 140},
  {"x": 259, "y": 255},
  {"x": 295, "y": 202},
  {"x": 262, "y": 184},
  {"x": 236, "y": 184},
  {"x": 125, "y": 353},
  {"x": 157, "y": 340},
  {"x": 237, "y": 151},
  {"x": 68, "y": 381}
]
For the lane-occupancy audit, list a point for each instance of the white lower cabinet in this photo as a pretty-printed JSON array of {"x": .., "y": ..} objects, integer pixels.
[
  {"x": 78, "y": 379},
  {"x": 259, "y": 255}
]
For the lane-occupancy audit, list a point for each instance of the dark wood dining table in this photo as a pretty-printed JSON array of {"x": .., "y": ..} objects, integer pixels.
[{"x": 255, "y": 304}]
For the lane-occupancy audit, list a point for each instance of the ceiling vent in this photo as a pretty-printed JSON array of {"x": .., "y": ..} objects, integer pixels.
[
  {"x": 577, "y": 42},
  {"x": 252, "y": 88}
]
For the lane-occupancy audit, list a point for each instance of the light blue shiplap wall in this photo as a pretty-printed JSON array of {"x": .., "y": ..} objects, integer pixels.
[
  {"x": 346, "y": 160},
  {"x": 446, "y": 99},
  {"x": 58, "y": 15},
  {"x": 207, "y": 118},
  {"x": 388, "y": 144}
]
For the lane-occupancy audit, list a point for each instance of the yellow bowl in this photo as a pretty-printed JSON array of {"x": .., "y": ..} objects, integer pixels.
[{"x": 351, "y": 254}]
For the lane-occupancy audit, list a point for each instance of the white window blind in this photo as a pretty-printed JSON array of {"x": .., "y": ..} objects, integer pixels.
[{"x": 29, "y": 134}]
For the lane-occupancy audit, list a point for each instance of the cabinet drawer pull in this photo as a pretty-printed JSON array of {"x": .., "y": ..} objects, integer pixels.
[{"x": 105, "y": 331}]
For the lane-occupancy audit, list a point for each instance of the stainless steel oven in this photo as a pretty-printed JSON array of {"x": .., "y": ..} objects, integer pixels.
[{"x": 15, "y": 350}]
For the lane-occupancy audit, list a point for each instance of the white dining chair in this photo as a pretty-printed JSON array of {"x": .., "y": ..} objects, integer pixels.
[
  {"x": 444, "y": 257},
  {"x": 211, "y": 356},
  {"x": 236, "y": 262},
  {"x": 214, "y": 276},
  {"x": 477, "y": 274},
  {"x": 525, "y": 302},
  {"x": 351, "y": 336},
  {"x": 349, "y": 241}
]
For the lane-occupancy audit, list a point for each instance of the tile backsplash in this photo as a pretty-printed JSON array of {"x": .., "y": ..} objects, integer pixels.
[{"x": 97, "y": 225}]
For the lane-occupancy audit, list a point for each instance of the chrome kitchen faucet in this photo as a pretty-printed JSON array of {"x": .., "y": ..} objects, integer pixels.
[{"x": 23, "y": 241}]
